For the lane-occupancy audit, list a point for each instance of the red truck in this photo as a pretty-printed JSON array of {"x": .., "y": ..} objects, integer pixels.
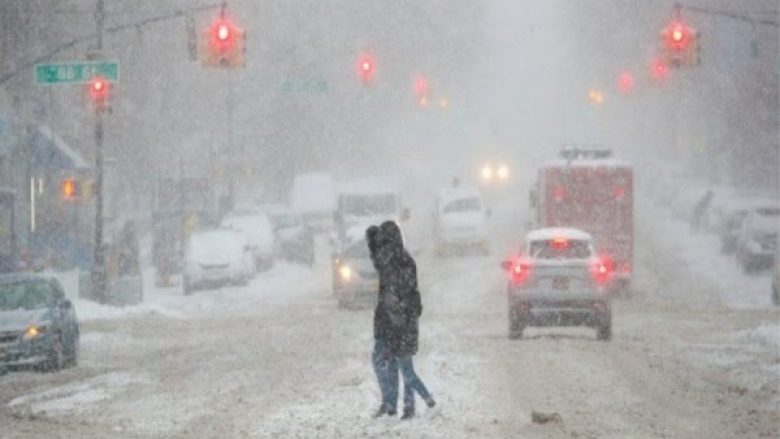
[{"x": 588, "y": 189}]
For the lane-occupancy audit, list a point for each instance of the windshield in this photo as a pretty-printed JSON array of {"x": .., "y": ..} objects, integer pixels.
[
  {"x": 551, "y": 249},
  {"x": 357, "y": 250},
  {"x": 26, "y": 295},
  {"x": 286, "y": 220},
  {"x": 368, "y": 205},
  {"x": 463, "y": 205}
]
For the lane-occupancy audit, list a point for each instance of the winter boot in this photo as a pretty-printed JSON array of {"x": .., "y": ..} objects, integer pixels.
[
  {"x": 408, "y": 413},
  {"x": 384, "y": 410},
  {"x": 430, "y": 401}
]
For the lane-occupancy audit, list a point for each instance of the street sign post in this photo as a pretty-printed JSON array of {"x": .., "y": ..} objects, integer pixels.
[{"x": 75, "y": 72}]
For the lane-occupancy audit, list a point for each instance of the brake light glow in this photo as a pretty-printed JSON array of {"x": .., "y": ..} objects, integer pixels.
[
  {"x": 603, "y": 270},
  {"x": 520, "y": 272},
  {"x": 560, "y": 243}
]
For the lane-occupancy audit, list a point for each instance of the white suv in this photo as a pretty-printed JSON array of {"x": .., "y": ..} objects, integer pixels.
[
  {"x": 559, "y": 280},
  {"x": 461, "y": 221}
]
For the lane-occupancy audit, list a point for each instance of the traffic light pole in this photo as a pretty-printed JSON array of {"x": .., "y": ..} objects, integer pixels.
[{"x": 98, "y": 273}]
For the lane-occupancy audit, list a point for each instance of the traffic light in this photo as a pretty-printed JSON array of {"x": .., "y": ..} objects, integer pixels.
[
  {"x": 224, "y": 45},
  {"x": 679, "y": 44},
  {"x": 99, "y": 90},
  {"x": 366, "y": 68},
  {"x": 626, "y": 82},
  {"x": 659, "y": 70},
  {"x": 70, "y": 189},
  {"x": 596, "y": 96},
  {"x": 421, "y": 89}
]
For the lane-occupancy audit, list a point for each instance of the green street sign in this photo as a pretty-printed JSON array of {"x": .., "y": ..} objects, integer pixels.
[{"x": 75, "y": 72}]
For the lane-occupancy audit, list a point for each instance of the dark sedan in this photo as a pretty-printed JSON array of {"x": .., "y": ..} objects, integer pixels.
[{"x": 38, "y": 325}]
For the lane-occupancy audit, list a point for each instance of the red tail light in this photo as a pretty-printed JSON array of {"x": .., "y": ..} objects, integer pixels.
[
  {"x": 519, "y": 270},
  {"x": 603, "y": 270}
]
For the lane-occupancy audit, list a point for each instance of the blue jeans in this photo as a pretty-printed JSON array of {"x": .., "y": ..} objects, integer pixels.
[
  {"x": 386, "y": 370},
  {"x": 386, "y": 367},
  {"x": 412, "y": 383}
]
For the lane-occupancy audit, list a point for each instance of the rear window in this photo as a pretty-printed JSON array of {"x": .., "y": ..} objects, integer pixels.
[
  {"x": 560, "y": 249},
  {"x": 463, "y": 205}
]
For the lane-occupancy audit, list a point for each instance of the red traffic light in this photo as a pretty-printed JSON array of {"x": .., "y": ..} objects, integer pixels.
[
  {"x": 421, "y": 86},
  {"x": 223, "y": 32},
  {"x": 678, "y": 36},
  {"x": 659, "y": 70},
  {"x": 366, "y": 68},
  {"x": 99, "y": 88},
  {"x": 626, "y": 82}
]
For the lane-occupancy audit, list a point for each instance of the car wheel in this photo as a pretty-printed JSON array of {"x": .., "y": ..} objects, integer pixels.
[
  {"x": 516, "y": 325},
  {"x": 604, "y": 327},
  {"x": 55, "y": 359},
  {"x": 73, "y": 357}
]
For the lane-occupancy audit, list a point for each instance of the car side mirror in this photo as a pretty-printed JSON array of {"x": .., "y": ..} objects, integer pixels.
[
  {"x": 506, "y": 265},
  {"x": 406, "y": 214}
]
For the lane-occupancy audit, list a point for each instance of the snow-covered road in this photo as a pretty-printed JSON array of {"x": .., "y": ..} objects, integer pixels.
[{"x": 692, "y": 357}]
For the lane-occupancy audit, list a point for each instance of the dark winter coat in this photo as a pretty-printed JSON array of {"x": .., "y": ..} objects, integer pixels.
[{"x": 399, "y": 306}]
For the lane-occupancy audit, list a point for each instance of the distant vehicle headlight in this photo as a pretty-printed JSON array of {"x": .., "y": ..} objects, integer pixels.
[
  {"x": 345, "y": 271},
  {"x": 503, "y": 172},
  {"x": 487, "y": 172},
  {"x": 33, "y": 332}
]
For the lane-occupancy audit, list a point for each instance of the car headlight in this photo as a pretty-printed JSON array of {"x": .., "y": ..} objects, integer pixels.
[
  {"x": 33, "y": 331},
  {"x": 345, "y": 271},
  {"x": 503, "y": 172}
]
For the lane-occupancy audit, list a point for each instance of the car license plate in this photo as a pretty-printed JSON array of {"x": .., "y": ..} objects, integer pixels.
[{"x": 561, "y": 283}]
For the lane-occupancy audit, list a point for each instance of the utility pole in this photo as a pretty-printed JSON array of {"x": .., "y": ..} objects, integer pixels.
[{"x": 99, "y": 257}]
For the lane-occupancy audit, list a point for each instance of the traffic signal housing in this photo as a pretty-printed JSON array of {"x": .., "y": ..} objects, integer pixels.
[
  {"x": 679, "y": 45},
  {"x": 223, "y": 45},
  {"x": 99, "y": 91}
]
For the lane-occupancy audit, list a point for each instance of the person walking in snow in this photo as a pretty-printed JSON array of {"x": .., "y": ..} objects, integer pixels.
[{"x": 396, "y": 329}]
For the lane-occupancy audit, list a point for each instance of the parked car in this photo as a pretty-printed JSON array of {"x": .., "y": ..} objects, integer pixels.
[
  {"x": 730, "y": 214},
  {"x": 559, "y": 280},
  {"x": 355, "y": 280},
  {"x": 460, "y": 221},
  {"x": 293, "y": 240},
  {"x": 38, "y": 325},
  {"x": 758, "y": 237},
  {"x": 259, "y": 232},
  {"x": 215, "y": 258}
]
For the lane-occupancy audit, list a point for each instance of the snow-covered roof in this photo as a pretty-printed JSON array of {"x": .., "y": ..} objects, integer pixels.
[
  {"x": 557, "y": 232},
  {"x": 368, "y": 186}
]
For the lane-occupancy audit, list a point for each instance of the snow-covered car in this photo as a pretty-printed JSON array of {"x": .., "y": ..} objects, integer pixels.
[
  {"x": 215, "y": 258},
  {"x": 259, "y": 232},
  {"x": 38, "y": 325},
  {"x": 756, "y": 243},
  {"x": 731, "y": 213},
  {"x": 460, "y": 221},
  {"x": 355, "y": 280},
  {"x": 559, "y": 280},
  {"x": 368, "y": 201},
  {"x": 293, "y": 240}
]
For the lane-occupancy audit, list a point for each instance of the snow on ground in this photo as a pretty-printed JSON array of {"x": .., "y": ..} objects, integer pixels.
[
  {"x": 270, "y": 287},
  {"x": 77, "y": 395}
]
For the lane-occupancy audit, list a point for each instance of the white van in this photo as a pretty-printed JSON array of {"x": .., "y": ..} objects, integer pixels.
[
  {"x": 368, "y": 201},
  {"x": 460, "y": 221}
]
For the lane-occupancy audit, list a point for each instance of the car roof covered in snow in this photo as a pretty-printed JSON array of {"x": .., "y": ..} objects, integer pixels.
[
  {"x": 12, "y": 278},
  {"x": 557, "y": 232},
  {"x": 368, "y": 186}
]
